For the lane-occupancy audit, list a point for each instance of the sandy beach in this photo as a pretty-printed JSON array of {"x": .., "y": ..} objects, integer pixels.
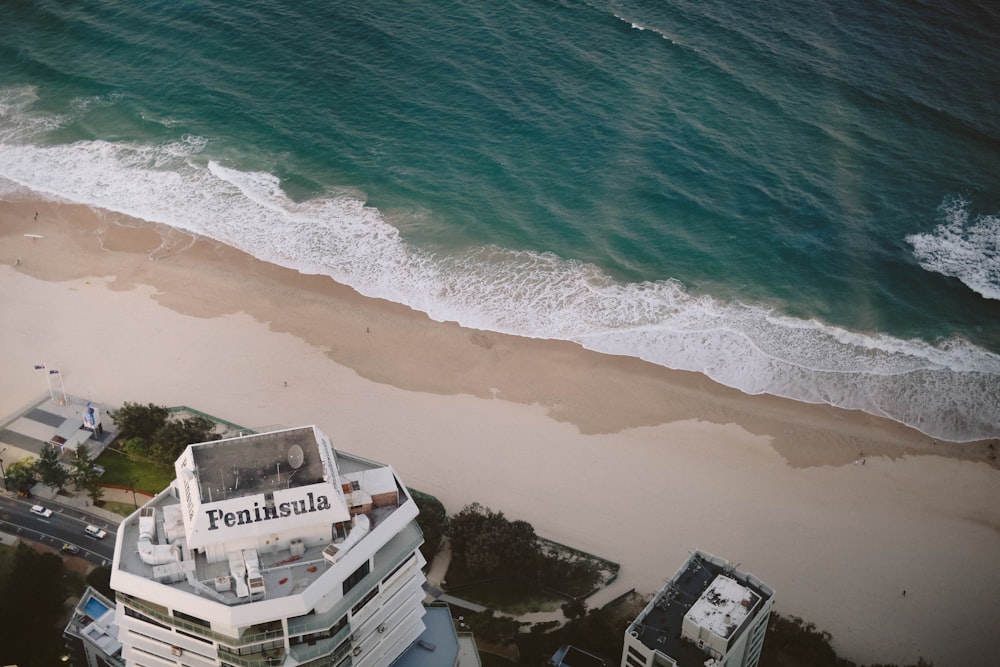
[{"x": 838, "y": 511}]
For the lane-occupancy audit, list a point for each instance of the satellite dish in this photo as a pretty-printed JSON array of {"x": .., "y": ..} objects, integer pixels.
[{"x": 295, "y": 456}]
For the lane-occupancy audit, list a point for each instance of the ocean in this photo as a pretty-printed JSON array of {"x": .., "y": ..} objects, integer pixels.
[{"x": 799, "y": 199}]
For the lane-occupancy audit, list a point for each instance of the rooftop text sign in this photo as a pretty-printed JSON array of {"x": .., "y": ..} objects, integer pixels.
[{"x": 267, "y": 514}]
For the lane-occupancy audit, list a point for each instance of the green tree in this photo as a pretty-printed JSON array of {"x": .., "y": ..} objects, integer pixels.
[
  {"x": 170, "y": 439},
  {"x": 93, "y": 488},
  {"x": 465, "y": 526},
  {"x": 50, "y": 470},
  {"x": 140, "y": 421},
  {"x": 80, "y": 465},
  {"x": 570, "y": 575},
  {"x": 100, "y": 580},
  {"x": 792, "y": 641},
  {"x": 574, "y": 608},
  {"x": 432, "y": 521},
  {"x": 22, "y": 473},
  {"x": 489, "y": 545},
  {"x": 32, "y": 592}
]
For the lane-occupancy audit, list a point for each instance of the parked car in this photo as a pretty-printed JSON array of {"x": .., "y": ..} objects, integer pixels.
[
  {"x": 70, "y": 548},
  {"x": 41, "y": 511},
  {"x": 95, "y": 532}
]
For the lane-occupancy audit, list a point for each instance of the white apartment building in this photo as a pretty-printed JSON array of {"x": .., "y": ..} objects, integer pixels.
[
  {"x": 708, "y": 615},
  {"x": 271, "y": 549}
]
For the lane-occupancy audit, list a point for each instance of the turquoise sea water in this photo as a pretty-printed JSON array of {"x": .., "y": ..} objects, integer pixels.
[{"x": 794, "y": 199}]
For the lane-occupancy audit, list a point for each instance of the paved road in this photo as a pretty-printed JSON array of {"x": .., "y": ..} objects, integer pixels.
[{"x": 65, "y": 526}]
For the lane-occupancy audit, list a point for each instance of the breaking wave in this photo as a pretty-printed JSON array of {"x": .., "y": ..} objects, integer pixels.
[
  {"x": 947, "y": 391},
  {"x": 963, "y": 247}
]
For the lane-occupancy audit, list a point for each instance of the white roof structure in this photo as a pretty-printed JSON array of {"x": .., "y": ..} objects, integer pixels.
[{"x": 722, "y": 607}]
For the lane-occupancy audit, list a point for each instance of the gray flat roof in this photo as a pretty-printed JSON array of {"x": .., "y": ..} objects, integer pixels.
[
  {"x": 437, "y": 645},
  {"x": 252, "y": 464}
]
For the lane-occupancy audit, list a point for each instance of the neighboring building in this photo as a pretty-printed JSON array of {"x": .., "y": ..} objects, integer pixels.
[
  {"x": 441, "y": 645},
  {"x": 708, "y": 615},
  {"x": 271, "y": 549},
  {"x": 571, "y": 656},
  {"x": 91, "y": 635}
]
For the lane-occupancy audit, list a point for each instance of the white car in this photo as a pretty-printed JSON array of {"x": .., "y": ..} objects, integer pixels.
[
  {"x": 95, "y": 532},
  {"x": 41, "y": 511}
]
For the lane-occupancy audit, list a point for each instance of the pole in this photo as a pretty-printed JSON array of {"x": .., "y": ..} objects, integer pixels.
[
  {"x": 2, "y": 471},
  {"x": 131, "y": 486},
  {"x": 63, "y": 386},
  {"x": 48, "y": 380}
]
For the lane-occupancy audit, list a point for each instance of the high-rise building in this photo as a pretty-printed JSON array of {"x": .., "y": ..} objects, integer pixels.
[
  {"x": 271, "y": 549},
  {"x": 708, "y": 615}
]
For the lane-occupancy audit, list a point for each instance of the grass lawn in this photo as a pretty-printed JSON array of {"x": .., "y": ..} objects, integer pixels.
[
  {"x": 124, "y": 509},
  {"x": 121, "y": 471}
]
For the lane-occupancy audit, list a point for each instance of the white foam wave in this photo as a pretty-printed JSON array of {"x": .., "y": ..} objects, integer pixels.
[
  {"x": 15, "y": 123},
  {"x": 636, "y": 25},
  {"x": 962, "y": 248},
  {"x": 948, "y": 391}
]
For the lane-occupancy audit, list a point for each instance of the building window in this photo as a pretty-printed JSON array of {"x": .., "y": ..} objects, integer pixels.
[
  {"x": 313, "y": 637},
  {"x": 191, "y": 619},
  {"x": 357, "y": 576},
  {"x": 145, "y": 619},
  {"x": 188, "y": 634}
]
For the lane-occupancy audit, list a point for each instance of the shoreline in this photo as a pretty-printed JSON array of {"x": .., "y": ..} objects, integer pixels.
[
  {"x": 612, "y": 455},
  {"x": 480, "y": 363}
]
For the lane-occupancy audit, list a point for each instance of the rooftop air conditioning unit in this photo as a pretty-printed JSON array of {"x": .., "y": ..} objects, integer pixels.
[
  {"x": 331, "y": 553},
  {"x": 256, "y": 584}
]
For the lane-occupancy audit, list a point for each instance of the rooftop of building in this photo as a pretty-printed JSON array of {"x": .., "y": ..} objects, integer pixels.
[
  {"x": 93, "y": 620},
  {"x": 440, "y": 645},
  {"x": 54, "y": 420},
  {"x": 706, "y": 589},
  {"x": 252, "y": 464},
  {"x": 285, "y": 570},
  {"x": 571, "y": 656}
]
